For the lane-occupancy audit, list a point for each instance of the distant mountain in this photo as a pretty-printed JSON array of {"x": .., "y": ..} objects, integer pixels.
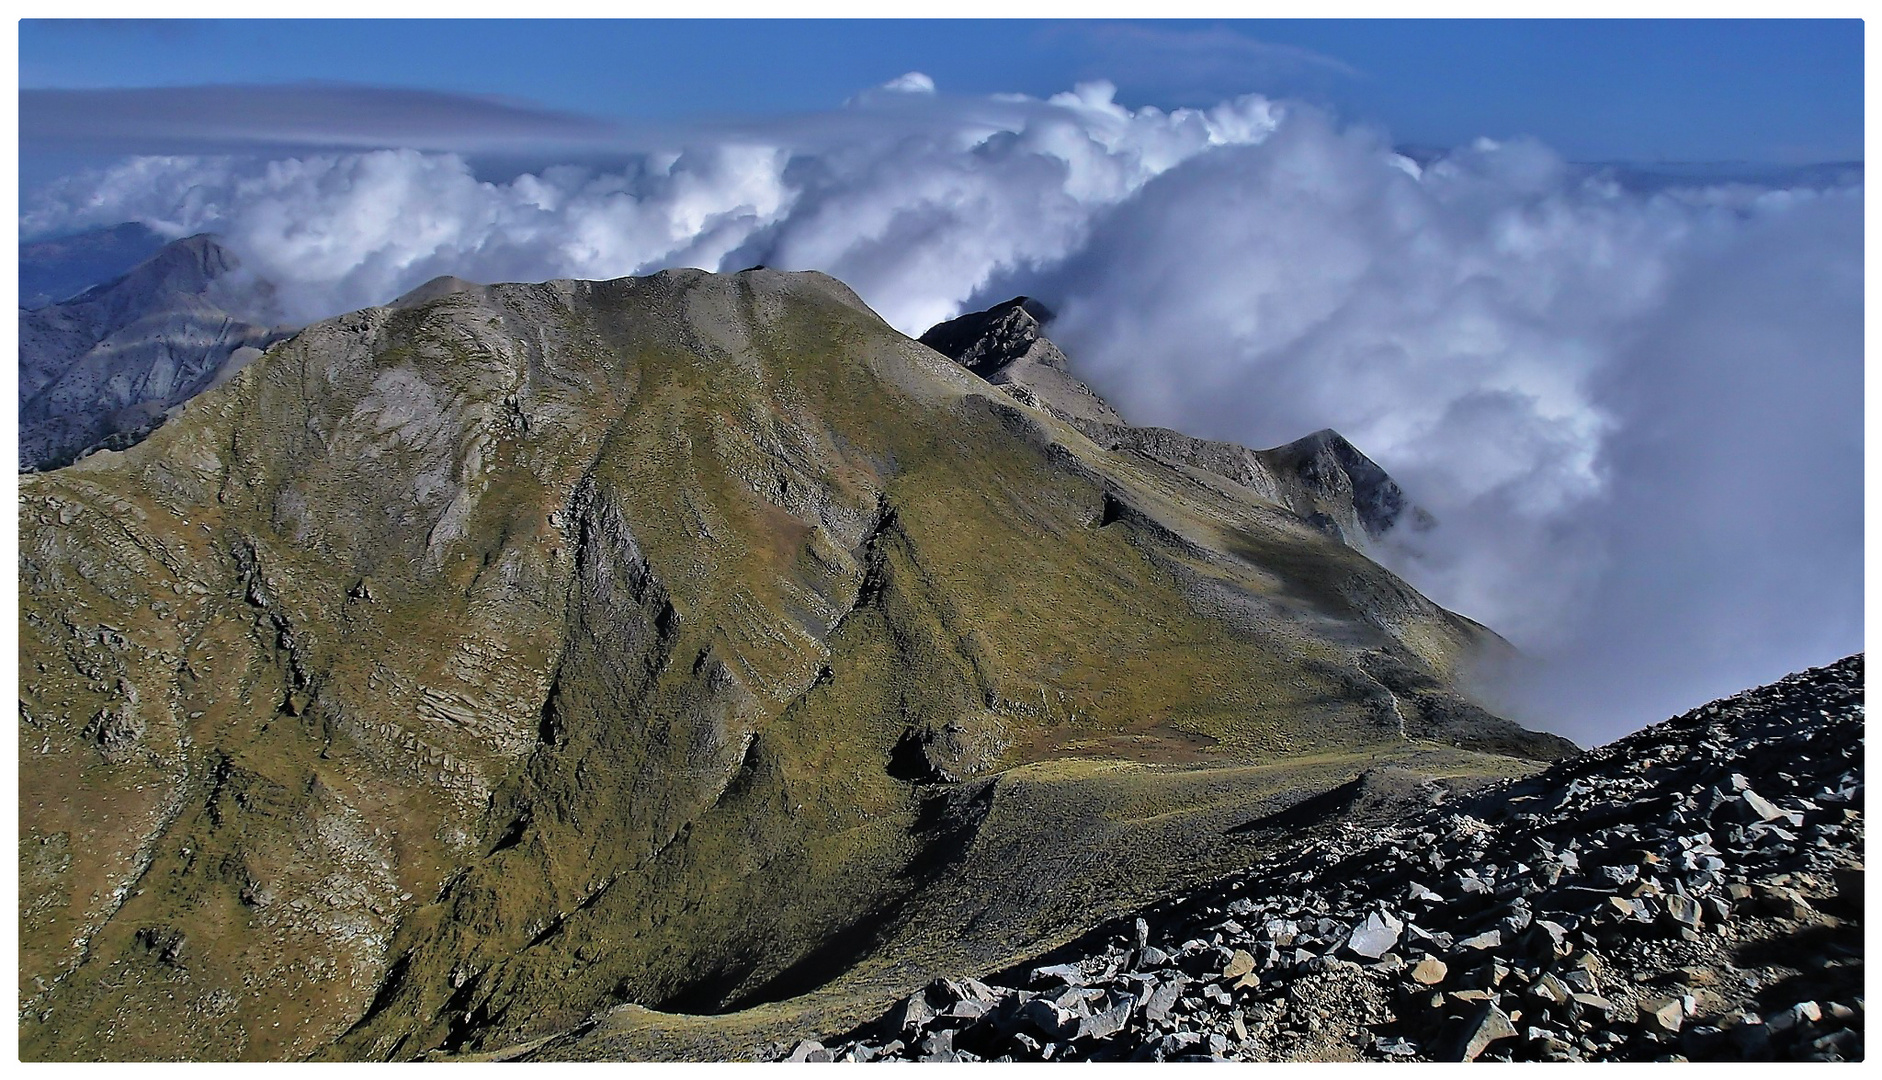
[
  {"x": 1323, "y": 478},
  {"x": 466, "y": 667},
  {"x": 104, "y": 367},
  {"x": 56, "y": 269},
  {"x": 1649, "y": 177}
]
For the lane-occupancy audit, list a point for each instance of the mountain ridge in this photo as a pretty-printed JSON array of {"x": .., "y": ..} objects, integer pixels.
[{"x": 1322, "y": 477}]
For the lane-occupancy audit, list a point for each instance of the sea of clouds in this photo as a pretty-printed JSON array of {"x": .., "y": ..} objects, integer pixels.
[{"x": 1635, "y": 409}]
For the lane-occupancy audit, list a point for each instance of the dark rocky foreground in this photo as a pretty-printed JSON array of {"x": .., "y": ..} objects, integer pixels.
[{"x": 1690, "y": 892}]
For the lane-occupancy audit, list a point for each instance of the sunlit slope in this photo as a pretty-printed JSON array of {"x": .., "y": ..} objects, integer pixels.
[{"x": 467, "y": 665}]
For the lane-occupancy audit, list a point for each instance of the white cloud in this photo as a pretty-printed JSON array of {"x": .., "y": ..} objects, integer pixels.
[
  {"x": 914, "y": 209},
  {"x": 913, "y": 82},
  {"x": 1635, "y": 411},
  {"x": 1637, "y": 415}
]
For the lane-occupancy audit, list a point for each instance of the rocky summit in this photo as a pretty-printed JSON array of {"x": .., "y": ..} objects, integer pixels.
[
  {"x": 1691, "y": 892},
  {"x": 666, "y": 667}
]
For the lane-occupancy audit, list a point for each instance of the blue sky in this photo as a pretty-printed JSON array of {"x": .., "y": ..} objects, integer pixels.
[{"x": 1650, "y": 90}]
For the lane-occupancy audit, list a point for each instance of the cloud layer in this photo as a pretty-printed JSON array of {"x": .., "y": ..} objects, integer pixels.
[{"x": 1636, "y": 408}]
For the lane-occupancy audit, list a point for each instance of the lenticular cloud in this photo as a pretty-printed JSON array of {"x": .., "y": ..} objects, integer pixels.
[{"x": 1635, "y": 409}]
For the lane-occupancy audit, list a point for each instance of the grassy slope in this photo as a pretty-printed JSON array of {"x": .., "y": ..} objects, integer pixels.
[{"x": 545, "y": 647}]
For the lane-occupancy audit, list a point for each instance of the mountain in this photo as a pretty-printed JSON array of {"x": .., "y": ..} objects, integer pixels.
[
  {"x": 104, "y": 367},
  {"x": 1322, "y": 478},
  {"x": 465, "y": 668},
  {"x": 59, "y": 267}
]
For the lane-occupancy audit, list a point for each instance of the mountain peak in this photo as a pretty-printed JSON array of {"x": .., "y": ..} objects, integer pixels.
[
  {"x": 58, "y": 268},
  {"x": 1322, "y": 477},
  {"x": 985, "y": 341},
  {"x": 1332, "y": 467},
  {"x": 442, "y": 285},
  {"x": 185, "y": 266}
]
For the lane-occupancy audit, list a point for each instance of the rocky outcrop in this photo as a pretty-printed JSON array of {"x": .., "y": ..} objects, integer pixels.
[
  {"x": 103, "y": 368},
  {"x": 1006, "y": 345},
  {"x": 1691, "y": 892}
]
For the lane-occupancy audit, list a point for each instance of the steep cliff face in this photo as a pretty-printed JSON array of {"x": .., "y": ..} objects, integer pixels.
[
  {"x": 464, "y": 666},
  {"x": 103, "y": 367}
]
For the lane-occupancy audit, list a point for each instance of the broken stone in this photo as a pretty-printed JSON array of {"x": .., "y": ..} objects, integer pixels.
[
  {"x": 1551, "y": 990},
  {"x": 1396, "y": 1047},
  {"x": 1049, "y": 1019},
  {"x": 939, "y": 1045},
  {"x": 1375, "y": 936},
  {"x": 967, "y": 1009},
  {"x": 1630, "y": 909},
  {"x": 808, "y": 1047},
  {"x": 1109, "y": 1022},
  {"x": 1162, "y": 999},
  {"x": 1594, "y": 1002},
  {"x": 1068, "y": 974},
  {"x": 1429, "y": 972},
  {"x": 913, "y": 1013},
  {"x": 975, "y": 990},
  {"x": 1486, "y": 941},
  {"x": 1486, "y": 1026},
  {"x": 1783, "y": 903},
  {"x": 1683, "y": 910},
  {"x": 1761, "y": 808},
  {"x": 1242, "y": 963},
  {"x": 1661, "y": 1016}
]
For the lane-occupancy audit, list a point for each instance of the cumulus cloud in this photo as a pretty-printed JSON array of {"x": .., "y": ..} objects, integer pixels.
[
  {"x": 1636, "y": 414},
  {"x": 915, "y": 202},
  {"x": 1633, "y": 405},
  {"x": 914, "y": 82}
]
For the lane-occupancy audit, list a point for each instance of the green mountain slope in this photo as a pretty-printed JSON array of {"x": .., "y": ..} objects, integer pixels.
[{"x": 464, "y": 668}]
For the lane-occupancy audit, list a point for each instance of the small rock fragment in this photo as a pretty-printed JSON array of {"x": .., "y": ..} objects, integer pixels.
[
  {"x": 1429, "y": 972},
  {"x": 806, "y": 1049},
  {"x": 1661, "y": 1016},
  {"x": 1375, "y": 936},
  {"x": 1487, "y": 1025}
]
